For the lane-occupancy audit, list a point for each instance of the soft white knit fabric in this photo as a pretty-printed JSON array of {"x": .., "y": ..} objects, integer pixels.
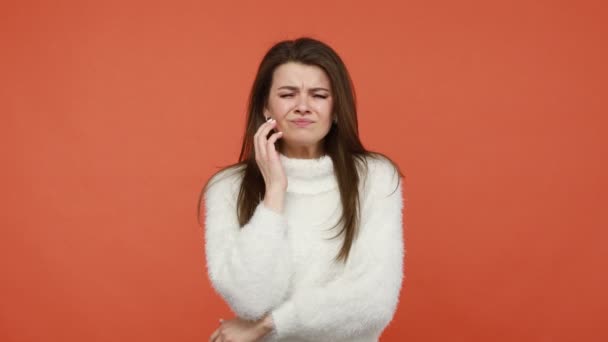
[{"x": 282, "y": 263}]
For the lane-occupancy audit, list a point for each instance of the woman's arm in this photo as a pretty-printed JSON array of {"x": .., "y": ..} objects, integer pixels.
[
  {"x": 248, "y": 266},
  {"x": 362, "y": 301}
]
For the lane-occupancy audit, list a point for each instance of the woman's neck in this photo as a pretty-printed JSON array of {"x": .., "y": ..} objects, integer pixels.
[{"x": 303, "y": 152}]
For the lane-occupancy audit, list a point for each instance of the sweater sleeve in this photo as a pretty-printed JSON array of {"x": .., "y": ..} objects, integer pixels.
[
  {"x": 247, "y": 266},
  {"x": 364, "y": 298}
]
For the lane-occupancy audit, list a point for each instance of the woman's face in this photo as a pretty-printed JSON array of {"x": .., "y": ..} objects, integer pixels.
[{"x": 299, "y": 94}]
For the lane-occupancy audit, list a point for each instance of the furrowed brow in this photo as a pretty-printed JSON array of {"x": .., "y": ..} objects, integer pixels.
[{"x": 296, "y": 88}]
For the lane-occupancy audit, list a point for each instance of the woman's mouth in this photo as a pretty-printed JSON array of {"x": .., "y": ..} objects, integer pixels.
[{"x": 301, "y": 123}]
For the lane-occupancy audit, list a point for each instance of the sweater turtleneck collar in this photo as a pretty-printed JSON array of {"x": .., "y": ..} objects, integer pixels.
[{"x": 309, "y": 176}]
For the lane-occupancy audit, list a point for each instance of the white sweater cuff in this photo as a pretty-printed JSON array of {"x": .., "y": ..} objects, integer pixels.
[{"x": 269, "y": 221}]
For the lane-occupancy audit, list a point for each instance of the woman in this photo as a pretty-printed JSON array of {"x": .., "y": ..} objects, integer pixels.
[{"x": 303, "y": 236}]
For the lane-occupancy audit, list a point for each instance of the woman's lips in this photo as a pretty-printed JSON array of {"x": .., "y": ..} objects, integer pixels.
[{"x": 302, "y": 123}]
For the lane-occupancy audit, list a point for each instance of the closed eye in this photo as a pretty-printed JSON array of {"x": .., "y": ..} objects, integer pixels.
[{"x": 291, "y": 95}]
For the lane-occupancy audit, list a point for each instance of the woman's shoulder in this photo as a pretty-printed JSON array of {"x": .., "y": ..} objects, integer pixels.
[
  {"x": 225, "y": 180},
  {"x": 381, "y": 163},
  {"x": 379, "y": 173},
  {"x": 380, "y": 166},
  {"x": 221, "y": 186}
]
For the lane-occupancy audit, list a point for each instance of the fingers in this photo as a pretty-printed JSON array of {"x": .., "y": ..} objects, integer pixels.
[
  {"x": 214, "y": 336},
  {"x": 264, "y": 128},
  {"x": 260, "y": 138},
  {"x": 270, "y": 149}
]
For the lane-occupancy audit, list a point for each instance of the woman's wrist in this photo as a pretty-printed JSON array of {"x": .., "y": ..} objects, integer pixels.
[
  {"x": 273, "y": 199},
  {"x": 265, "y": 325}
]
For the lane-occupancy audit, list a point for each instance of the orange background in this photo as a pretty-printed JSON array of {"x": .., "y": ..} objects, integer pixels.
[{"x": 114, "y": 114}]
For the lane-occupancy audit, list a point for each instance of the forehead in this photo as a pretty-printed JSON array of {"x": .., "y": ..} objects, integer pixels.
[{"x": 298, "y": 75}]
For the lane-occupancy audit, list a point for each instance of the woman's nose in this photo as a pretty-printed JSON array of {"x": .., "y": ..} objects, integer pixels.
[{"x": 303, "y": 106}]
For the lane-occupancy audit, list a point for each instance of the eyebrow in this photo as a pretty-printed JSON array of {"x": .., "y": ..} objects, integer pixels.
[{"x": 296, "y": 88}]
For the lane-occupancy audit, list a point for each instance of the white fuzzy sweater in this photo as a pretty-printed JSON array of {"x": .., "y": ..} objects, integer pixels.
[{"x": 282, "y": 263}]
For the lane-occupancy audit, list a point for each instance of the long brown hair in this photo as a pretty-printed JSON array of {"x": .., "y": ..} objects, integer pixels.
[{"x": 341, "y": 143}]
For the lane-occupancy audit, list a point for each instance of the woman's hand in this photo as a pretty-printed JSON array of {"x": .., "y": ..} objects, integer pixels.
[
  {"x": 240, "y": 330},
  {"x": 267, "y": 158}
]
